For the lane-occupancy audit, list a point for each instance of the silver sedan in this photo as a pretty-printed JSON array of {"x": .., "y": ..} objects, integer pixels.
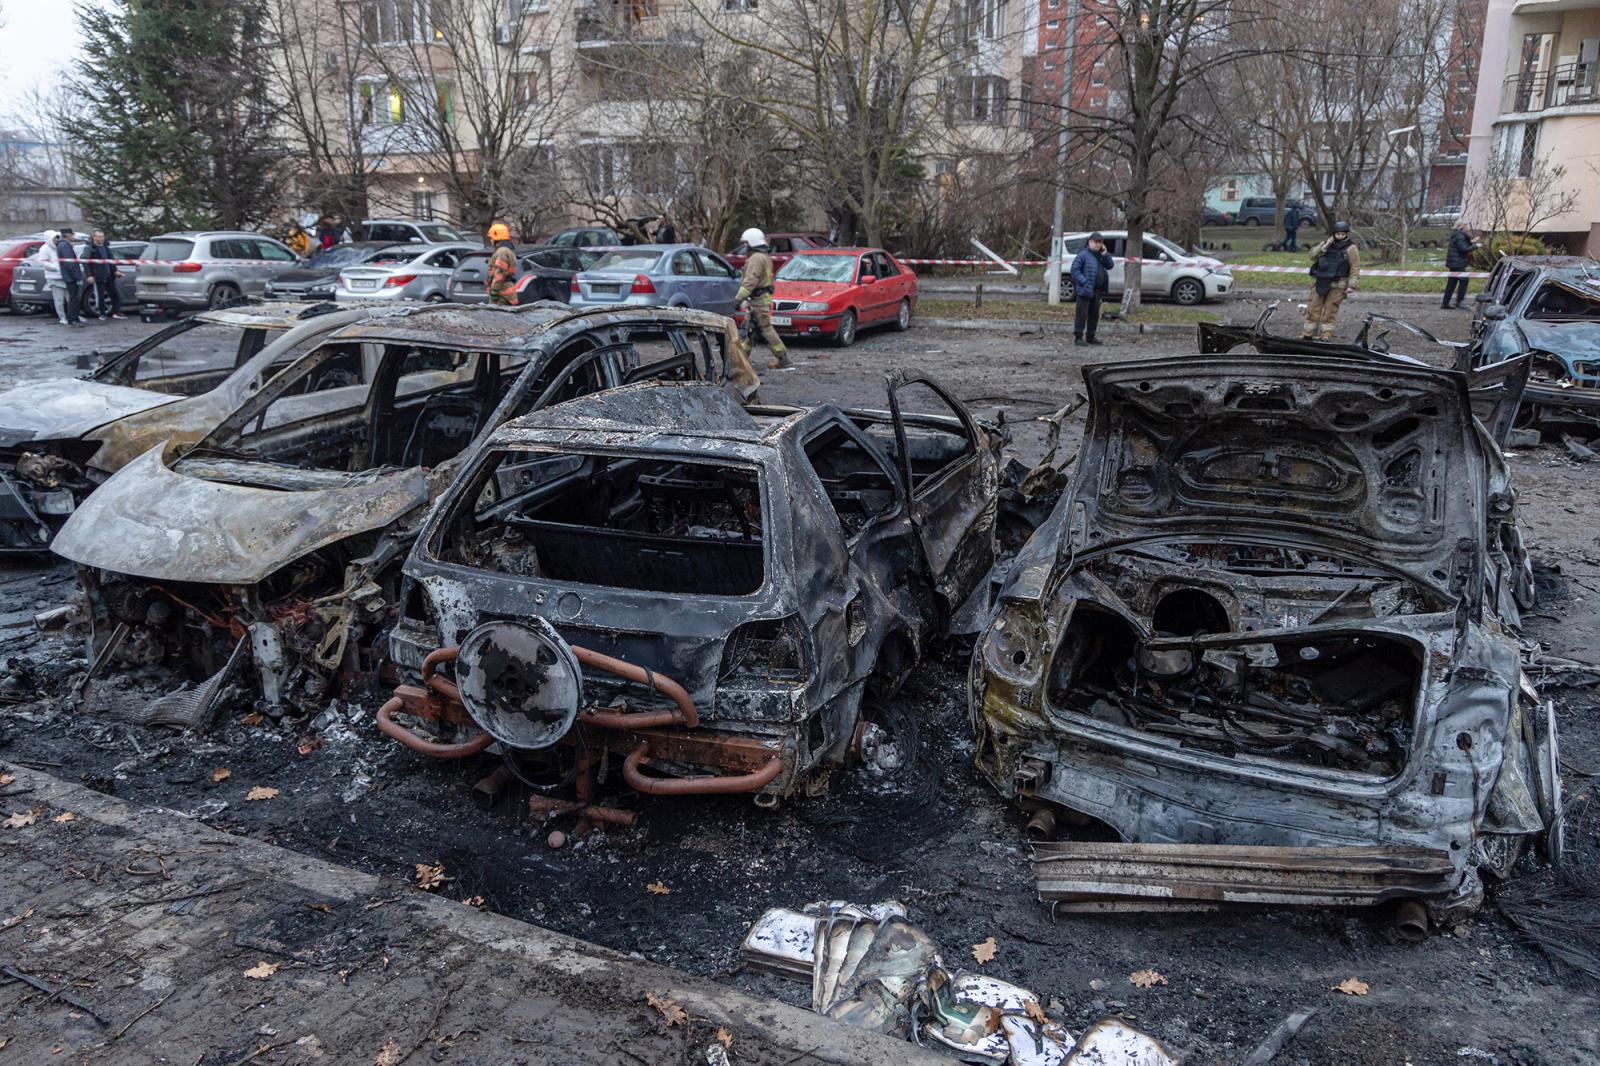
[
  {"x": 406, "y": 272},
  {"x": 658, "y": 275}
]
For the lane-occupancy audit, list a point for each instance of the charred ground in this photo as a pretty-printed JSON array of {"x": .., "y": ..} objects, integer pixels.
[{"x": 931, "y": 833}]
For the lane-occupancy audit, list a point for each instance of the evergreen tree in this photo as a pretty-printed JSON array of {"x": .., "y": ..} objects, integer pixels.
[{"x": 171, "y": 126}]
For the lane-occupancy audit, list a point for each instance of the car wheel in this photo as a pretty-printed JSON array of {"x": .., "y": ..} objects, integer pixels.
[
  {"x": 91, "y": 305},
  {"x": 1068, "y": 292},
  {"x": 846, "y": 335},
  {"x": 1188, "y": 291},
  {"x": 436, "y": 297},
  {"x": 902, "y": 321},
  {"x": 222, "y": 294},
  {"x": 1305, "y": 220},
  {"x": 1252, "y": 222}
]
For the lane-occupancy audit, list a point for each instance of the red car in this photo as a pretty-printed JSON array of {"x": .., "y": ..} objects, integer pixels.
[
  {"x": 783, "y": 245},
  {"x": 12, "y": 251},
  {"x": 836, "y": 292}
]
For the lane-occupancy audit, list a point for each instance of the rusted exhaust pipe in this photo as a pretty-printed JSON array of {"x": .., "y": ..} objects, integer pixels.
[
  {"x": 395, "y": 731},
  {"x": 710, "y": 784},
  {"x": 685, "y": 714},
  {"x": 1411, "y": 921},
  {"x": 1042, "y": 826},
  {"x": 553, "y": 808}
]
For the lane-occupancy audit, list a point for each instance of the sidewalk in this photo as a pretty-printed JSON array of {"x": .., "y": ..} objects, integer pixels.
[{"x": 141, "y": 936}]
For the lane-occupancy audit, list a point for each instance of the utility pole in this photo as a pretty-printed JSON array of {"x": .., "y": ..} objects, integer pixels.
[{"x": 1068, "y": 70}]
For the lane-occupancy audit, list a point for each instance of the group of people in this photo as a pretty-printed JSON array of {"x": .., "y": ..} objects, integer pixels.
[
  {"x": 330, "y": 230},
  {"x": 69, "y": 275}
]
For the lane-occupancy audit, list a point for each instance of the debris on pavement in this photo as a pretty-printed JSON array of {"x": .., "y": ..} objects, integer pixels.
[{"x": 869, "y": 966}]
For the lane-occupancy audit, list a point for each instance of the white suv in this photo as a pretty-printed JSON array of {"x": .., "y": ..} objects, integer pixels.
[{"x": 1167, "y": 270}]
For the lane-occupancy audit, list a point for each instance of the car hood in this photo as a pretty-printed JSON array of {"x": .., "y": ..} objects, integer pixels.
[
  {"x": 165, "y": 525},
  {"x": 69, "y": 407},
  {"x": 1565, "y": 340},
  {"x": 1381, "y": 460},
  {"x": 810, "y": 290}
]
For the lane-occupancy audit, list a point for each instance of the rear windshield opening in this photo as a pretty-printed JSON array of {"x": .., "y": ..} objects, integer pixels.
[
  {"x": 627, "y": 260},
  {"x": 167, "y": 249},
  {"x": 653, "y": 525}
]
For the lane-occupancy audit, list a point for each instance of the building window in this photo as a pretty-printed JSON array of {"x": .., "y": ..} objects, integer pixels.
[
  {"x": 987, "y": 18},
  {"x": 1049, "y": 64},
  {"x": 397, "y": 21},
  {"x": 980, "y": 100},
  {"x": 1230, "y": 189},
  {"x": 741, "y": 5},
  {"x": 529, "y": 87},
  {"x": 1053, "y": 24},
  {"x": 533, "y": 7},
  {"x": 1528, "y": 153},
  {"x": 422, "y": 205}
]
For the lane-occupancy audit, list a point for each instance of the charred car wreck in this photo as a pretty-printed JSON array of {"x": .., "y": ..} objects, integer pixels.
[
  {"x": 276, "y": 541},
  {"x": 1264, "y": 638},
  {"x": 700, "y": 589}
]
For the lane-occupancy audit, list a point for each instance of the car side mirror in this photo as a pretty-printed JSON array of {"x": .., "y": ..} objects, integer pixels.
[
  {"x": 1482, "y": 297},
  {"x": 869, "y": 279},
  {"x": 414, "y": 240},
  {"x": 1166, "y": 257},
  {"x": 1495, "y": 312}
]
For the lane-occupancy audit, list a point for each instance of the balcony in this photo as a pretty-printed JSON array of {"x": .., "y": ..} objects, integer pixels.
[{"x": 1568, "y": 85}]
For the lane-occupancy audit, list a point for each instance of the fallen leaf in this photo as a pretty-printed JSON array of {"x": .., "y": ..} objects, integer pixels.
[
  {"x": 430, "y": 877},
  {"x": 388, "y": 1055},
  {"x": 6, "y": 779},
  {"x": 253, "y": 718},
  {"x": 261, "y": 792},
  {"x": 323, "y": 907},
  {"x": 22, "y": 818},
  {"x": 670, "y": 1011},
  {"x": 656, "y": 888},
  {"x": 725, "y": 1038},
  {"x": 1352, "y": 986},
  {"x": 1146, "y": 978},
  {"x": 1034, "y": 1011},
  {"x": 221, "y": 773},
  {"x": 306, "y": 747},
  {"x": 473, "y": 901},
  {"x": 16, "y": 920},
  {"x": 65, "y": 816},
  {"x": 984, "y": 952},
  {"x": 263, "y": 970}
]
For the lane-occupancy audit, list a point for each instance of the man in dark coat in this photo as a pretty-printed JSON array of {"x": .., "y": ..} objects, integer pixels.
[
  {"x": 103, "y": 274},
  {"x": 1091, "y": 281},
  {"x": 71, "y": 280},
  {"x": 1458, "y": 259}
]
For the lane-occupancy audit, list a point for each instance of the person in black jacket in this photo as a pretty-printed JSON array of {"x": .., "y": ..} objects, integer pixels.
[
  {"x": 71, "y": 296},
  {"x": 1458, "y": 258},
  {"x": 103, "y": 275},
  {"x": 1091, "y": 281}
]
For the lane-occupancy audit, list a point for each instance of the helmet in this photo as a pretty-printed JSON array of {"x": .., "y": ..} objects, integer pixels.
[
  {"x": 1341, "y": 227},
  {"x": 753, "y": 237},
  {"x": 499, "y": 232}
]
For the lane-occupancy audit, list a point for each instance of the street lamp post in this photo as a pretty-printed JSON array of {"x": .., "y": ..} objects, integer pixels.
[{"x": 1069, "y": 52}]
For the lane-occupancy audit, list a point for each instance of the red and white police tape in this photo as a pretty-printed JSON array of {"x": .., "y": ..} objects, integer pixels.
[{"x": 1230, "y": 267}]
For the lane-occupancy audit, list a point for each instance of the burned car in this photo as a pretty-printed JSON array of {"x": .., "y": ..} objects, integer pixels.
[
  {"x": 704, "y": 589},
  {"x": 60, "y": 438},
  {"x": 1548, "y": 305},
  {"x": 277, "y": 539},
  {"x": 1262, "y": 640}
]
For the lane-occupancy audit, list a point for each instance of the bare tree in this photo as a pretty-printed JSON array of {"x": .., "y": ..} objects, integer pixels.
[{"x": 1510, "y": 200}]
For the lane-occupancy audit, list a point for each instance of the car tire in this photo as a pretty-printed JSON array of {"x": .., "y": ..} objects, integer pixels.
[
  {"x": 1187, "y": 292},
  {"x": 1305, "y": 220},
  {"x": 902, "y": 319},
  {"x": 221, "y": 294},
  {"x": 845, "y": 335},
  {"x": 1252, "y": 222},
  {"x": 1069, "y": 292},
  {"x": 435, "y": 298}
]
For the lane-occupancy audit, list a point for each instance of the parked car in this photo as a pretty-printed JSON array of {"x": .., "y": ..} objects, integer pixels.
[
  {"x": 276, "y": 540},
  {"x": 585, "y": 237},
  {"x": 1261, "y": 210},
  {"x": 209, "y": 269},
  {"x": 319, "y": 278},
  {"x": 657, "y": 275},
  {"x": 404, "y": 272},
  {"x": 763, "y": 567},
  {"x": 1210, "y": 216},
  {"x": 1548, "y": 305},
  {"x": 783, "y": 245},
  {"x": 29, "y": 290},
  {"x": 1167, "y": 270},
  {"x": 13, "y": 250},
  {"x": 406, "y": 231},
  {"x": 835, "y": 292},
  {"x": 544, "y": 272},
  {"x": 60, "y": 438},
  {"x": 1267, "y": 639}
]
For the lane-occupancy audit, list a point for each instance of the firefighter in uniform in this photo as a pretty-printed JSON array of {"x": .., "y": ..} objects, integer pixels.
[
  {"x": 501, "y": 281},
  {"x": 756, "y": 286}
]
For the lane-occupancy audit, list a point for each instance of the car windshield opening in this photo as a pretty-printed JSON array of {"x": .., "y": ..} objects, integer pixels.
[
  {"x": 1555, "y": 302},
  {"x": 168, "y": 249},
  {"x": 340, "y": 255},
  {"x": 651, "y": 525},
  {"x": 439, "y": 234},
  {"x": 627, "y": 259},
  {"x": 835, "y": 268},
  {"x": 391, "y": 258}
]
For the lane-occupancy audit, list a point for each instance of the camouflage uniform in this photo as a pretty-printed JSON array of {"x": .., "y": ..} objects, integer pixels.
[
  {"x": 501, "y": 281},
  {"x": 757, "y": 285}
]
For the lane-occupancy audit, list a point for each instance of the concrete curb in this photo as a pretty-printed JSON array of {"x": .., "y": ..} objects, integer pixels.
[{"x": 1023, "y": 325}]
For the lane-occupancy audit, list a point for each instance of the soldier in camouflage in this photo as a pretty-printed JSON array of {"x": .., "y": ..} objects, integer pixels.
[{"x": 756, "y": 287}]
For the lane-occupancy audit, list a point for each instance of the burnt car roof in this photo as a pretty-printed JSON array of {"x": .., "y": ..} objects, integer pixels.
[
  {"x": 264, "y": 315},
  {"x": 654, "y": 407},
  {"x": 486, "y": 327}
]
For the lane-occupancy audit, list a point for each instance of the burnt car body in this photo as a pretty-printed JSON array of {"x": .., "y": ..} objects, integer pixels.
[
  {"x": 1547, "y": 305},
  {"x": 61, "y": 438},
  {"x": 1264, "y": 638},
  {"x": 763, "y": 564},
  {"x": 277, "y": 538}
]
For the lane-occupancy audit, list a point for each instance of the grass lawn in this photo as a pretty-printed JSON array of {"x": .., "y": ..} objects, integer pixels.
[{"x": 1038, "y": 311}]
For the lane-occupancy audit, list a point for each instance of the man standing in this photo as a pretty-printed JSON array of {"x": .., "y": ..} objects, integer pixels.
[
  {"x": 1291, "y": 228},
  {"x": 756, "y": 286},
  {"x": 103, "y": 274},
  {"x": 1335, "y": 266},
  {"x": 67, "y": 288},
  {"x": 501, "y": 279},
  {"x": 666, "y": 232},
  {"x": 1091, "y": 281},
  {"x": 1457, "y": 259}
]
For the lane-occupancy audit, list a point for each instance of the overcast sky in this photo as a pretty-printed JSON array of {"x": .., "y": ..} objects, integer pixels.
[{"x": 37, "y": 39}]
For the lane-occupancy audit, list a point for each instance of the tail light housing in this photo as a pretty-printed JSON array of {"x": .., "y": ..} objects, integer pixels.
[
  {"x": 575, "y": 288},
  {"x": 186, "y": 268},
  {"x": 642, "y": 285},
  {"x": 770, "y": 651},
  {"x": 399, "y": 280}
]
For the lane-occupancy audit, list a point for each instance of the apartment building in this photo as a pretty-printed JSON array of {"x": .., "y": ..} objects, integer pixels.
[
  {"x": 1536, "y": 120},
  {"x": 1447, "y": 168}
]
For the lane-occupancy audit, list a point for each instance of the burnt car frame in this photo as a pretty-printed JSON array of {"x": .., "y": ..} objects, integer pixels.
[
  {"x": 277, "y": 538},
  {"x": 760, "y": 566},
  {"x": 1264, "y": 638},
  {"x": 60, "y": 438},
  {"x": 1549, "y": 306}
]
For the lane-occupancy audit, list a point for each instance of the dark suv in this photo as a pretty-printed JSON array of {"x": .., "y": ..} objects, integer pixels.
[{"x": 1259, "y": 210}]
